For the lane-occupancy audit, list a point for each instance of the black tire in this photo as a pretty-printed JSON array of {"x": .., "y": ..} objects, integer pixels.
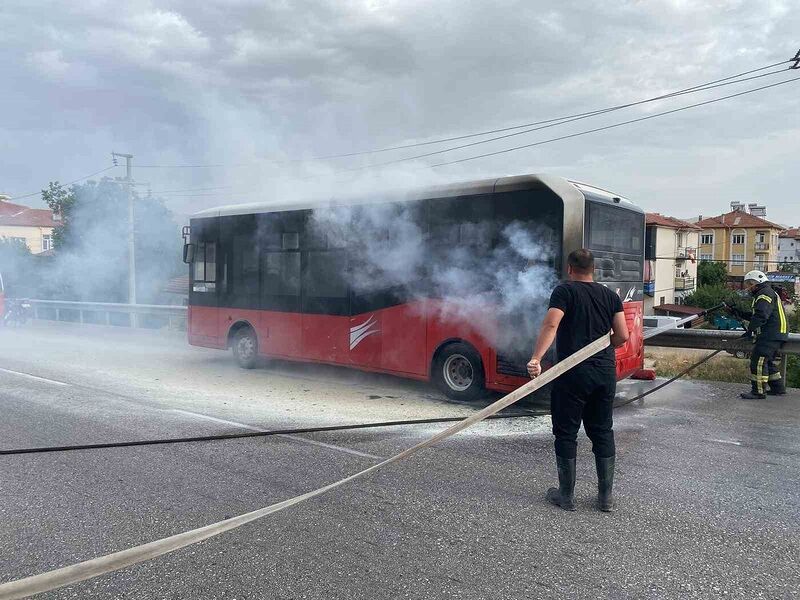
[
  {"x": 458, "y": 372},
  {"x": 245, "y": 348}
]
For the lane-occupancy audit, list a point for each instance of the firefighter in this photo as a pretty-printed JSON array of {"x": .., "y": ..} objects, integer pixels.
[
  {"x": 581, "y": 311},
  {"x": 767, "y": 328}
]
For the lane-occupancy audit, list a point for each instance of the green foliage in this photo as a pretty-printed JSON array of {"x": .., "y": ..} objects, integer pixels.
[
  {"x": 706, "y": 296},
  {"x": 61, "y": 202},
  {"x": 16, "y": 263},
  {"x": 712, "y": 273},
  {"x": 91, "y": 261}
]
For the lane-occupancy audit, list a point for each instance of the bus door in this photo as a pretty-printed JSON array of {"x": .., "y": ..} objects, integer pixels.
[
  {"x": 203, "y": 290},
  {"x": 281, "y": 321},
  {"x": 239, "y": 294},
  {"x": 326, "y": 305}
]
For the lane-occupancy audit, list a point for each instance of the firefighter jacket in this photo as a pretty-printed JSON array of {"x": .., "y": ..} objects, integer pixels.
[{"x": 768, "y": 319}]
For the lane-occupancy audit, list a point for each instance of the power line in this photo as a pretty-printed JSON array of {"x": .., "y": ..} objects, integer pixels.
[
  {"x": 613, "y": 126},
  {"x": 548, "y": 122},
  {"x": 65, "y": 184},
  {"x": 569, "y": 136},
  {"x": 564, "y": 122}
]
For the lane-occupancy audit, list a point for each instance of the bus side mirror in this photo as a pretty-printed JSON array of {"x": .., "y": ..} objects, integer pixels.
[{"x": 188, "y": 253}]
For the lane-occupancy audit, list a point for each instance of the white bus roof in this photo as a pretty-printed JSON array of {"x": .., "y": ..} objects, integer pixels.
[{"x": 560, "y": 186}]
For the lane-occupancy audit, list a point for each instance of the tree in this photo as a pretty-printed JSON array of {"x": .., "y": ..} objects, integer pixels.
[
  {"x": 61, "y": 202},
  {"x": 91, "y": 243},
  {"x": 706, "y": 296},
  {"x": 712, "y": 273},
  {"x": 16, "y": 267}
]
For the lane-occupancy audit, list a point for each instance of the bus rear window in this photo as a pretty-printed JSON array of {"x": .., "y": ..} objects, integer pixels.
[{"x": 615, "y": 229}]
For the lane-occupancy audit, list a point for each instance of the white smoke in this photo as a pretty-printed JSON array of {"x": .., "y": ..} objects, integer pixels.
[{"x": 497, "y": 281}]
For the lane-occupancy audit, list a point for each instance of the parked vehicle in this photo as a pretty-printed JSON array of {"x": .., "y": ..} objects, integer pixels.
[
  {"x": 17, "y": 311},
  {"x": 661, "y": 321}
]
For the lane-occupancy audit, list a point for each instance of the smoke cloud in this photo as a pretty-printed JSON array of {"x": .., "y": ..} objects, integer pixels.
[{"x": 495, "y": 277}]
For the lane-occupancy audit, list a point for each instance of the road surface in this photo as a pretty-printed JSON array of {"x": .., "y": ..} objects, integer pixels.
[{"x": 707, "y": 492}]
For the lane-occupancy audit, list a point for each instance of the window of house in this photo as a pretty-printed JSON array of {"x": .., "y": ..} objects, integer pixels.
[
  {"x": 662, "y": 300},
  {"x": 738, "y": 260},
  {"x": 707, "y": 257},
  {"x": 47, "y": 242},
  {"x": 707, "y": 238},
  {"x": 737, "y": 238},
  {"x": 761, "y": 237}
]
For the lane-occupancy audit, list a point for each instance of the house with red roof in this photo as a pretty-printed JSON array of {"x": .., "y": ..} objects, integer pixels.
[
  {"x": 31, "y": 226},
  {"x": 670, "y": 271},
  {"x": 743, "y": 239}
]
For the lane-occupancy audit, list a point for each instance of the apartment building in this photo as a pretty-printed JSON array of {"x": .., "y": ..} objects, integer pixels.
[
  {"x": 789, "y": 248},
  {"x": 670, "y": 260},
  {"x": 742, "y": 238},
  {"x": 31, "y": 226}
]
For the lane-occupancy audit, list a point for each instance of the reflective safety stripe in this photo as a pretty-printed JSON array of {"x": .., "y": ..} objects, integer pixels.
[
  {"x": 763, "y": 297},
  {"x": 782, "y": 316},
  {"x": 774, "y": 377},
  {"x": 760, "y": 375}
]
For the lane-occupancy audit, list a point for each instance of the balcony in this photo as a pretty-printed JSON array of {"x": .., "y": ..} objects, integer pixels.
[
  {"x": 683, "y": 284},
  {"x": 684, "y": 252},
  {"x": 762, "y": 246}
]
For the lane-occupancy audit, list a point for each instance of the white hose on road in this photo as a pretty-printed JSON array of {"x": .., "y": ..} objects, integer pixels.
[{"x": 37, "y": 584}]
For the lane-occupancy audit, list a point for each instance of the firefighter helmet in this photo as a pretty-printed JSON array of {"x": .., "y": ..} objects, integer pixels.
[{"x": 757, "y": 276}]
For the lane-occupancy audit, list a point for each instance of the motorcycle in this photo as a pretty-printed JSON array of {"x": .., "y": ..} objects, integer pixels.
[{"x": 17, "y": 312}]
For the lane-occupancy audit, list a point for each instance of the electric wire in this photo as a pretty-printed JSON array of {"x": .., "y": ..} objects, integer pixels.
[
  {"x": 547, "y": 122},
  {"x": 268, "y": 433},
  {"x": 615, "y": 125},
  {"x": 563, "y": 122},
  {"x": 61, "y": 185},
  {"x": 533, "y": 144}
]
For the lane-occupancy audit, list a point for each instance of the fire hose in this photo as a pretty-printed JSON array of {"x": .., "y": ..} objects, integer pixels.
[{"x": 36, "y": 584}]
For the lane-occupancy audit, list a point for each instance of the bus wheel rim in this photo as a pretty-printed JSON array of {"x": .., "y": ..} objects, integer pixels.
[
  {"x": 458, "y": 372},
  {"x": 245, "y": 347}
]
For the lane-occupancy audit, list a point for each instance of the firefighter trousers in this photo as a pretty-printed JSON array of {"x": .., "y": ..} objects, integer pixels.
[{"x": 765, "y": 366}]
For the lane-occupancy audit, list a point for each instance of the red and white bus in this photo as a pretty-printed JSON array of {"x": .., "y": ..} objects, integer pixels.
[{"x": 263, "y": 284}]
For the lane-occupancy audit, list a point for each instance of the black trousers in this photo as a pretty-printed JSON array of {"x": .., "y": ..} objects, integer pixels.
[
  {"x": 764, "y": 365},
  {"x": 585, "y": 393}
]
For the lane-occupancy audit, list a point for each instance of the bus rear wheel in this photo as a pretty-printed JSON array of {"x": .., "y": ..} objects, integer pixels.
[
  {"x": 458, "y": 372},
  {"x": 245, "y": 348}
]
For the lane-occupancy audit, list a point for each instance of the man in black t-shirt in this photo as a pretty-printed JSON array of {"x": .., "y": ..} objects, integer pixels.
[{"x": 580, "y": 312}]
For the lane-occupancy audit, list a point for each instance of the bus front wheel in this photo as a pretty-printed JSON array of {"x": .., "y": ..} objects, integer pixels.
[
  {"x": 458, "y": 372},
  {"x": 245, "y": 348}
]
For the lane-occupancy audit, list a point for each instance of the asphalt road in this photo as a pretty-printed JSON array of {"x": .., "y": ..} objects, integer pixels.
[{"x": 707, "y": 485}]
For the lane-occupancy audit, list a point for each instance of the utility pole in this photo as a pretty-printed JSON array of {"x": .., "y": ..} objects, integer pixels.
[{"x": 131, "y": 240}]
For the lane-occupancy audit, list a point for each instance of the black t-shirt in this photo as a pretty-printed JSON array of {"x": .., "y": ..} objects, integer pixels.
[{"x": 589, "y": 310}]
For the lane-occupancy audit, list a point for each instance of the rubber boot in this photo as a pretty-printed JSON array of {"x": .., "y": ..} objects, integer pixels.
[
  {"x": 564, "y": 494},
  {"x": 753, "y": 394},
  {"x": 605, "y": 482},
  {"x": 776, "y": 388}
]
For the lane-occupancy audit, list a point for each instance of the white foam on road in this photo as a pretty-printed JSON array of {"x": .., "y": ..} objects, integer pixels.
[
  {"x": 35, "y": 378},
  {"x": 283, "y": 435}
]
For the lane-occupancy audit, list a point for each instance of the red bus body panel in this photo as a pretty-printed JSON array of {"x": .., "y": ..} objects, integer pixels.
[{"x": 386, "y": 341}]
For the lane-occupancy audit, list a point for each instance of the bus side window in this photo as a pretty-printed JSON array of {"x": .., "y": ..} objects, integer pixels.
[
  {"x": 326, "y": 274},
  {"x": 204, "y": 267},
  {"x": 280, "y": 272},
  {"x": 244, "y": 280}
]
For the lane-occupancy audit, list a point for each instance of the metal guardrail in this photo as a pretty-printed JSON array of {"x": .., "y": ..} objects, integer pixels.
[
  {"x": 707, "y": 339},
  {"x": 150, "y": 316}
]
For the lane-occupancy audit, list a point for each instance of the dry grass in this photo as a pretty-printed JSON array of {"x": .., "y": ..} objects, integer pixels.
[{"x": 722, "y": 367}]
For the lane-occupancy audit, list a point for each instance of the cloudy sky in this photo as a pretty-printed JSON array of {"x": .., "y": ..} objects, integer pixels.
[{"x": 257, "y": 88}]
